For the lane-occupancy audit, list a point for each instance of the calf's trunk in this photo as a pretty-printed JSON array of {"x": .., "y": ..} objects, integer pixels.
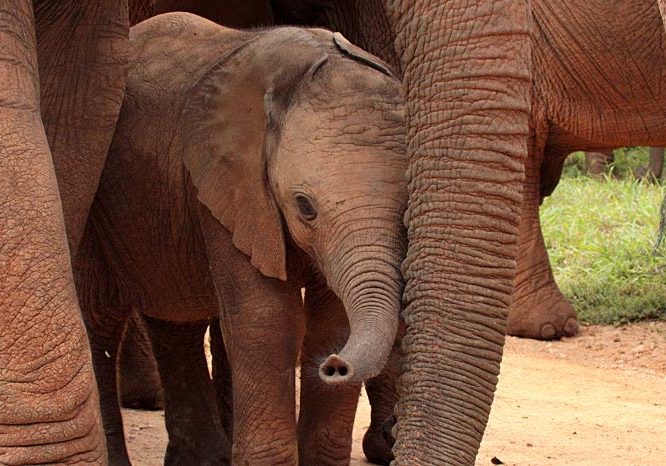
[{"x": 369, "y": 284}]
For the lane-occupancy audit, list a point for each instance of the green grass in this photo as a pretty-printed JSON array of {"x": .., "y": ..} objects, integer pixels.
[{"x": 599, "y": 235}]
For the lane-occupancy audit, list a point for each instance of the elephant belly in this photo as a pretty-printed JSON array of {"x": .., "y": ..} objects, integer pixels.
[
  {"x": 604, "y": 85},
  {"x": 148, "y": 212},
  {"x": 150, "y": 241}
]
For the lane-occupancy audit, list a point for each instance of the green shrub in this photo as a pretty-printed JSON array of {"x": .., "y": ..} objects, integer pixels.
[
  {"x": 627, "y": 159},
  {"x": 574, "y": 165},
  {"x": 599, "y": 235}
]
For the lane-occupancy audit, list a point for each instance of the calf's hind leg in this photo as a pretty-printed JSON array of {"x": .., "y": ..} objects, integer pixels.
[
  {"x": 105, "y": 335},
  {"x": 196, "y": 435},
  {"x": 105, "y": 311}
]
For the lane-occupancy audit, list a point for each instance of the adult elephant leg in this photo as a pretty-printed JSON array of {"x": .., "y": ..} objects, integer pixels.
[
  {"x": 539, "y": 309},
  {"x": 105, "y": 311},
  {"x": 466, "y": 68},
  {"x": 49, "y": 410},
  {"x": 138, "y": 379},
  {"x": 221, "y": 373},
  {"x": 326, "y": 418},
  {"x": 196, "y": 436},
  {"x": 83, "y": 61},
  {"x": 655, "y": 165}
]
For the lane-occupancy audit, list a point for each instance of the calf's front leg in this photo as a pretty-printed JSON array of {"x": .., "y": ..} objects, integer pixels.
[
  {"x": 327, "y": 412},
  {"x": 196, "y": 434},
  {"x": 262, "y": 325}
]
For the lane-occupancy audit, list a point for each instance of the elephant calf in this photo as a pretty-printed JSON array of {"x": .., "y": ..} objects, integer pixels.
[{"x": 246, "y": 166}]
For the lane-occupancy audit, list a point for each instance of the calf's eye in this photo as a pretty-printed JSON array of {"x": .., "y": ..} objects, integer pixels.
[{"x": 305, "y": 208}]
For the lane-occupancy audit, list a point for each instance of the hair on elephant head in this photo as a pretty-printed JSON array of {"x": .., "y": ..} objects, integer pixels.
[{"x": 297, "y": 133}]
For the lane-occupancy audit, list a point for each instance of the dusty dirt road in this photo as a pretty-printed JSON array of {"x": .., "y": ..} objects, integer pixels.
[{"x": 599, "y": 398}]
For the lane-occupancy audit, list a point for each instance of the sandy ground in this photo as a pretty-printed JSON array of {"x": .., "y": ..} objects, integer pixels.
[{"x": 599, "y": 398}]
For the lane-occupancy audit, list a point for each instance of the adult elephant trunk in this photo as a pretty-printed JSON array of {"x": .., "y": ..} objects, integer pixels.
[
  {"x": 369, "y": 284},
  {"x": 467, "y": 80}
]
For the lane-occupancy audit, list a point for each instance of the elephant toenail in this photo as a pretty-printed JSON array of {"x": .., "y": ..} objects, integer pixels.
[
  {"x": 571, "y": 327},
  {"x": 548, "y": 332}
]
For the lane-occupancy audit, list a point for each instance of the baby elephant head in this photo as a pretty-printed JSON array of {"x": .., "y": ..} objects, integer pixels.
[{"x": 297, "y": 132}]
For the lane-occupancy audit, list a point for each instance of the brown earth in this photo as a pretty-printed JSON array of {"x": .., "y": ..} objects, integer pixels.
[{"x": 599, "y": 398}]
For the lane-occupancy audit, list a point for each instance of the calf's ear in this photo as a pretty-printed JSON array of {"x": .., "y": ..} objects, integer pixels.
[{"x": 224, "y": 125}]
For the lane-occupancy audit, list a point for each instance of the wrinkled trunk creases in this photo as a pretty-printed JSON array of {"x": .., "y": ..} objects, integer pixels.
[
  {"x": 371, "y": 297},
  {"x": 467, "y": 76}
]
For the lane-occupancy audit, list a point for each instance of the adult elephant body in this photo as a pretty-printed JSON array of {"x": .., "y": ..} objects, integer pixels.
[
  {"x": 63, "y": 73},
  {"x": 589, "y": 91},
  {"x": 574, "y": 105}
]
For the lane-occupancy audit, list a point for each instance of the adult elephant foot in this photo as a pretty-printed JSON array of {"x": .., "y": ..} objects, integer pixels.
[
  {"x": 538, "y": 310},
  {"x": 541, "y": 313}
]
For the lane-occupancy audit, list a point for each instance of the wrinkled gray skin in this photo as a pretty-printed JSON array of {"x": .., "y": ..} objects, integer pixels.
[
  {"x": 246, "y": 166},
  {"x": 455, "y": 58},
  {"x": 467, "y": 66},
  {"x": 459, "y": 264},
  {"x": 56, "y": 123}
]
